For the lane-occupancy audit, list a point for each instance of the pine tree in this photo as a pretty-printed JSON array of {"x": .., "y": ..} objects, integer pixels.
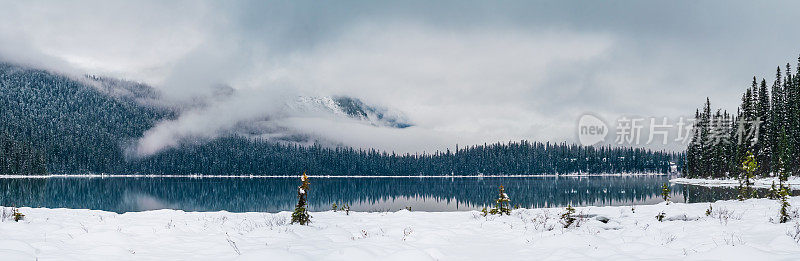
[
  {"x": 784, "y": 215},
  {"x": 777, "y": 116},
  {"x": 568, "y": 217},
  {"x": 757, "y": 127},
  {"x": 692, "y": 152},
  {"x": 774, "y": 191},
  {"x": 501, "y": 205},
  {"x": 763, "y": 148},
  {"x": 784, "y": 164},
  {"x": 792, "y": 84},
  {"x": 300, "y": 214},
  {"x": 749, "y": 168},
  {"x": 706, "y": 150},
  {"x": 665, "y": 192}
]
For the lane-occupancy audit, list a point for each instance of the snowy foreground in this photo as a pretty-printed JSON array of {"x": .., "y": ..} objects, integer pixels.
[
  {"x": 793, "y": 182},
  {"x": 735, "y": 231}
]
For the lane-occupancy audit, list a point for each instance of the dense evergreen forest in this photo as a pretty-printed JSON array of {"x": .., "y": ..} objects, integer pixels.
[
  {"x": 20, "y": 157},
  {"x": 79, "y": 128},
  {"x": 766, "y": 124},
  {"x": 61, "y": 125},
  {"x": 236, "y": 155}
]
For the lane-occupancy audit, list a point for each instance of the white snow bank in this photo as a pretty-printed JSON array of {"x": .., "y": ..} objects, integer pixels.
[
  {"x": 793, "y": 182},
  {"x": 735, "y": 231}
]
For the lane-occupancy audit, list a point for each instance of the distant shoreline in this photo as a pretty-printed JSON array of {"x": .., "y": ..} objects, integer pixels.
[
  {"x": 315, "y": 176},
  {"x": 793, "y": 182}
]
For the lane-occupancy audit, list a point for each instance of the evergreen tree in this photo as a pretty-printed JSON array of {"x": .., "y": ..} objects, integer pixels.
[
  {"x": 300, "y": 214},
  {"x": 665, "y": 192},
  {"x": 568, "y": 217},
  {"x": 749, "y": 168},
  {"x": 757, "y": 128},
  {"x": 501, "y": 204},
  {"x": 777, "y": 116},
  {"x": 784, "y": 174},
  {"x": 774, "y": 191},
  {"x": 763, "y": 146}
]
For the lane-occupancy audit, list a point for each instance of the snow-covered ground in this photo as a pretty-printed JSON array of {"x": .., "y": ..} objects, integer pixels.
[
  {"x": 734, "y": 231},
  {"x": 793, "y": 182}
]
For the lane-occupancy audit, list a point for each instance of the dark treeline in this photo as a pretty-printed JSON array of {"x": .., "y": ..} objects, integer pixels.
[
  {"x": 234, "y": 155},
  {"x": 766, "y": 124},
  {"x": 73, "y": 127}
]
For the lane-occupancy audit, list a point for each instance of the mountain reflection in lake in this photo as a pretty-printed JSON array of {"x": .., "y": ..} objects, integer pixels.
[{"x": 362, "y": 194}]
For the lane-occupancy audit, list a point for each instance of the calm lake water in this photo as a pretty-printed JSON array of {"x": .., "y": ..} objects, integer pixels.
[{"x": 122, "y": 194}]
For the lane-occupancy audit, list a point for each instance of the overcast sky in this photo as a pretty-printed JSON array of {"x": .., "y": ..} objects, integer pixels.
[{"x": 464, "y": 72}]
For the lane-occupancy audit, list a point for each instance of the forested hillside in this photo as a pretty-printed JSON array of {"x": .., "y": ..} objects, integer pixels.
[
  {"x": 74, "y": 127},
  {"x": 766, "y": 125},
  {"x": 79, "y": 128}
]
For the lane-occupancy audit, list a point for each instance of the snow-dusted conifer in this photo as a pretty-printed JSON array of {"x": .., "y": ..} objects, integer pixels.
[
  {"x": 774, "y": 192},
  {"x": 501, "y": 205},
  {"x": 300, "y": 214},
  {"x": 665, "y": 192},
  {"x": 568, "y": 218},
  {"x": 749, "y": 168},
  {"x": 783, "y": 177}
]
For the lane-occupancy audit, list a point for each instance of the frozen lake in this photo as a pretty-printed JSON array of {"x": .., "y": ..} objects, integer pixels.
[{"x": 124, "y": 194}]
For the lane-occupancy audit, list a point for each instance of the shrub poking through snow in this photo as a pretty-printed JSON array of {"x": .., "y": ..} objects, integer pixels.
[
  {"x": 709, "y": 210},
  {"x": 407, "y": 232},
  {"x": 501, "y": 205},
  {"x": 660, "y": 216},
  {"x": 17, "y": 215},
  {"x": 4, "y": 214},
  {"x": 300, "y": 214},
  {"x": 334, "y": 208},
  {"x": 794, "y": 233},
  {"x": 774, "y": 192},
  {"x": 749, "y": 167},
  {"x": 568, "y": 218},
  {"x": 665, "y": 192}
]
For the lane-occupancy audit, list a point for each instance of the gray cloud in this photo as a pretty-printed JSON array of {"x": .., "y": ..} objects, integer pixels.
[{"x": 463, "y": 72}]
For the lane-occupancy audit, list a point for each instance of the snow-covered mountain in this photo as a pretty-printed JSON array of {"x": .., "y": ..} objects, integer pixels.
[
  {"x": 336, "y": 106},
  {"x": 353, "y": 108}
]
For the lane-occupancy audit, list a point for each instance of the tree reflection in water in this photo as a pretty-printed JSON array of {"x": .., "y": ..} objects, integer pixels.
[{"x": 362, "y": 194}]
